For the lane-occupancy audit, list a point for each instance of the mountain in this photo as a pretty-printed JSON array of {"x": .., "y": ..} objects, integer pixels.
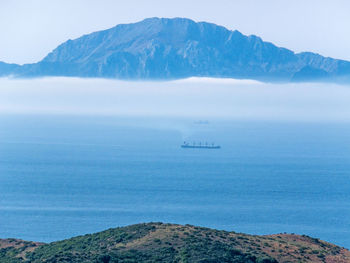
[
  {"x": 7, "y": 69},
  {"x": 161, "y": 48},
  {"x": 157, "y": 242}
]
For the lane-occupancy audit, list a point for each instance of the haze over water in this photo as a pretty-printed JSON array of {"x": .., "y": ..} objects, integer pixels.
[
  {"x": 79, "y": 156},
  {"x": 194, "y": 97}
]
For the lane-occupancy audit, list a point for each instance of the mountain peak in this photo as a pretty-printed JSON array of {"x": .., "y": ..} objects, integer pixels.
[{"x": 170, "y": 48}]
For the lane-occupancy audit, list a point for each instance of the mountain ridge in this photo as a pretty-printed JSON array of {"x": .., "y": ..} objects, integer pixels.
[{"x": 164, "y": 49}]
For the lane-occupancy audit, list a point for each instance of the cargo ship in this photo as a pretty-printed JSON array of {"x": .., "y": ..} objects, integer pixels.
[{"x": 200, "y": 145}]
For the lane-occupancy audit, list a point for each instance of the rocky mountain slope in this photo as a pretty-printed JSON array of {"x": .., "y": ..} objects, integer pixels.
[
  {"x": 157, "y": 242},
  {"x": 161, "y": 48}
]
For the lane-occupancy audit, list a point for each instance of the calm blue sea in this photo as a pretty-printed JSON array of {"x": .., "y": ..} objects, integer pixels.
[{"x": 62, "y": 176}]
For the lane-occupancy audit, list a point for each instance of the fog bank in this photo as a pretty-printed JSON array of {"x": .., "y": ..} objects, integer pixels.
[{"x": 194, "y": 97}]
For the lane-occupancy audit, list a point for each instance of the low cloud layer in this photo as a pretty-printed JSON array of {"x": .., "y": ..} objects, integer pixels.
[{"x": 194, "y": 97}]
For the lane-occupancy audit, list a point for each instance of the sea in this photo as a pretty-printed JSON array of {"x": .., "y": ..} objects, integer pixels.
[{"x": 68, "y": 175}]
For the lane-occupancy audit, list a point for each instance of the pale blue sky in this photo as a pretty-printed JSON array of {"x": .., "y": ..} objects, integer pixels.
[{"x": 32, "y": 28}]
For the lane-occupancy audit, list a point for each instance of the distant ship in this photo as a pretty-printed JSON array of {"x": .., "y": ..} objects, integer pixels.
[
  {"x": 200, "y": 146},
  {"x": 201, "y": 122}
]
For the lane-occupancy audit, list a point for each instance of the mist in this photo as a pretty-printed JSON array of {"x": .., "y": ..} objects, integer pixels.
[{"x": 201, "y": 98}]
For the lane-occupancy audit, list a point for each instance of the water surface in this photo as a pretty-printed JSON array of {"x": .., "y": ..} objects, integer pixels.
[{"x": 62, "y": 176}]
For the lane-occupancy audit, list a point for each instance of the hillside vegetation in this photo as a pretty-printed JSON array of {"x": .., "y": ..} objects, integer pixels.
[{"x": 157, "y": 242}]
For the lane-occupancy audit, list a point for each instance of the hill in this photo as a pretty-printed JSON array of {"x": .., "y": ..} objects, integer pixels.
[
  {"x": 157, "y": 242},
  {"x": 8, "y": 69},
  {"x": 162, "y": 48}
]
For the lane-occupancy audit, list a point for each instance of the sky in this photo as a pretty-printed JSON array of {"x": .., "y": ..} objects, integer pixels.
[{"x": 30, "y": 29}]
